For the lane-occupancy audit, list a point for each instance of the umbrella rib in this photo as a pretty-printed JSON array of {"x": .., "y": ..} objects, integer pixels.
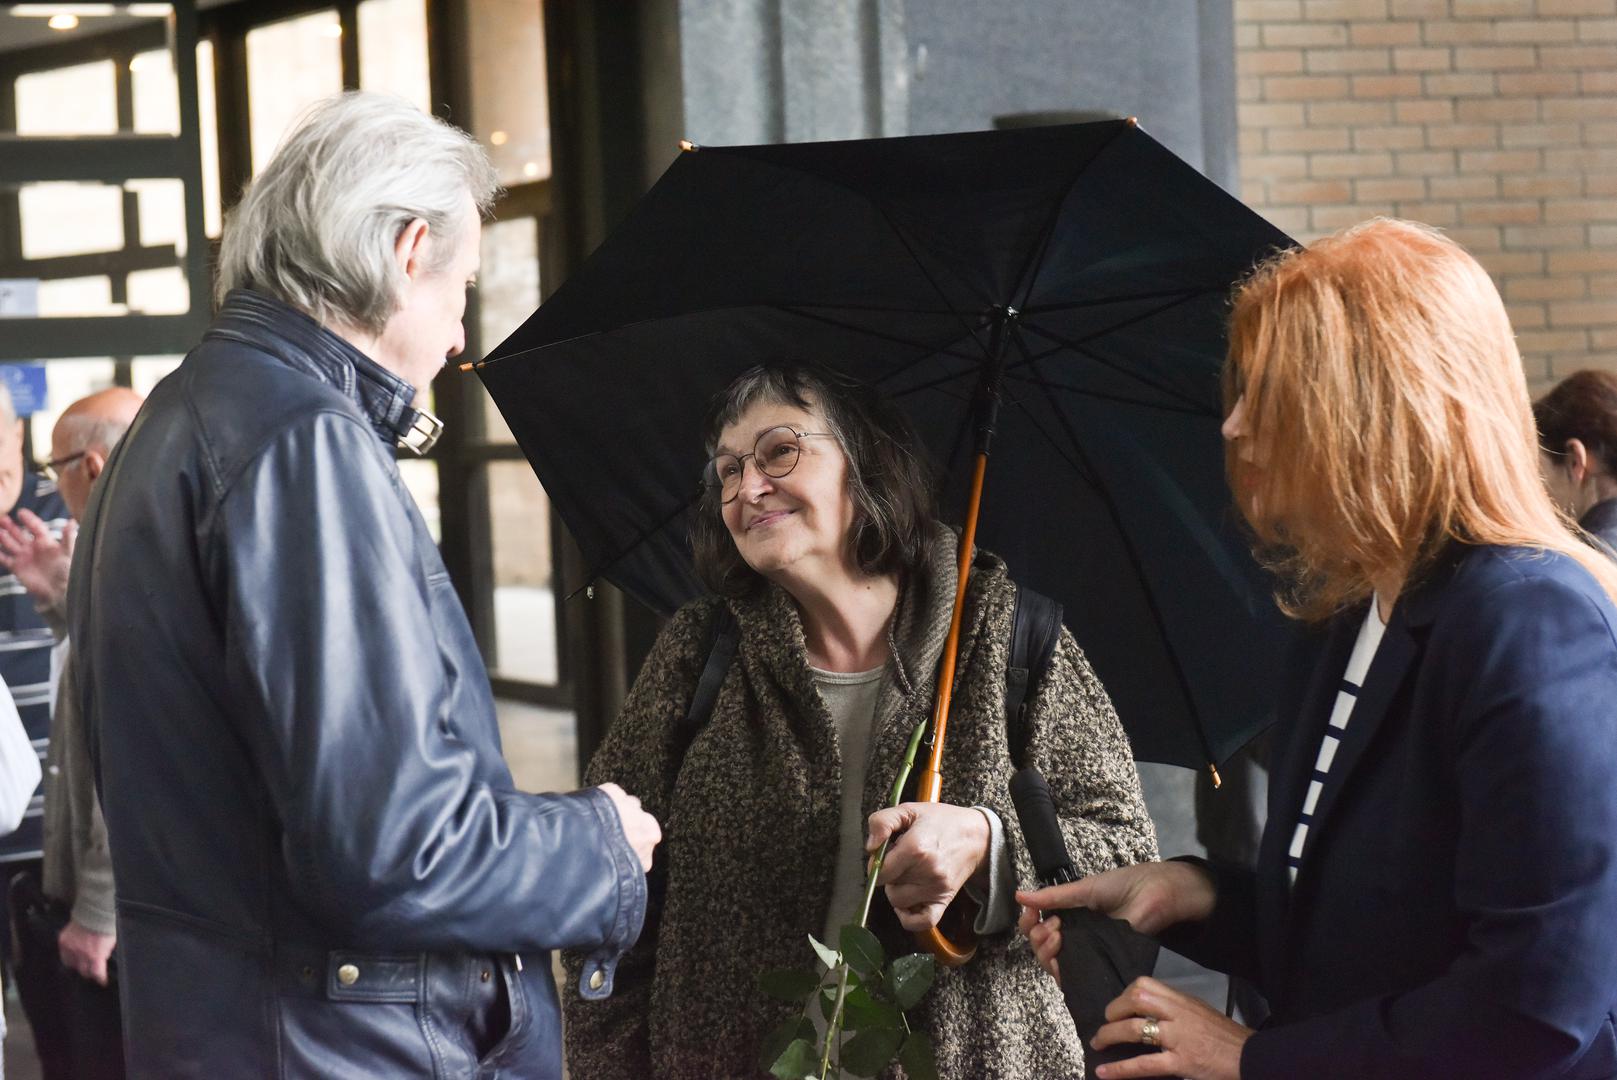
[
  {"x": 1077, "y": 466},
  {"x": 1015, "y": 371},
  {"x": 1077, "y": 346},
  {"x": 1111, "y": 365},
  {"x": 1121, "y": 324},
  {"x": 930, "y": 280},
  {"x": 600, "y": 568},
  {"x": 879, "y": 308},
  {"x": 1036, "y": 262},
  {"x": 926, "y": 350},
  {"x": 930, "y": 384},
  {"x": 1045, "y": 309},
  {"x": 777, "y": 305},
  {"x": 1118, "y": 398},
  {"x": 1134, "y": 561}
]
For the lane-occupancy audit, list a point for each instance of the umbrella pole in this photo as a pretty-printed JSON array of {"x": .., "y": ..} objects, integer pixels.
[{"x": 959, "y": 944}]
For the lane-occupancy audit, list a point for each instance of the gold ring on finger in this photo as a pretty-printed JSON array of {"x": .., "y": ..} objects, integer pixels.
[{"x": 1150, "y": 1032}]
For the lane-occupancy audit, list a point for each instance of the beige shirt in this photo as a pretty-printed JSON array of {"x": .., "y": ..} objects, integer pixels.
[{"x": 852, "y": 698}]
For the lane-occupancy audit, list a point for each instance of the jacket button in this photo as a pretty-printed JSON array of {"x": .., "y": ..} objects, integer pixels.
[
  {"x": 486, "y": 975},
  {"x": 348, "y": 974},
  {"x": 598, "y": 979}
]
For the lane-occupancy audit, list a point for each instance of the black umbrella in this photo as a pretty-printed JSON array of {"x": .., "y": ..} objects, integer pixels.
[{"x": 1085, "y": 263}]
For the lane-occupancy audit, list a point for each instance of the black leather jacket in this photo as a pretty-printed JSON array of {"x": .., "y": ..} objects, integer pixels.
[{"x": 323, "y": 867}]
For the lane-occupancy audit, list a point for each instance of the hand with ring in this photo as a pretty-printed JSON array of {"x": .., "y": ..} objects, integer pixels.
[{"x": 1193, "y": 1040}]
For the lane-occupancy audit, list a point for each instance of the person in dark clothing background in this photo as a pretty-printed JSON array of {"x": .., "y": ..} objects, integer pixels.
[
  {"x": 65, "y": 931},
  {"x": 25, "y": 651},
  {"x": 1577, "y": 426}
]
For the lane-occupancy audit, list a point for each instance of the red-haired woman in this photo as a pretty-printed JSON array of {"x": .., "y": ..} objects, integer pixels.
[
  {"x": 1577, "y": 427},
  {"x": 1435, "y": 891}
]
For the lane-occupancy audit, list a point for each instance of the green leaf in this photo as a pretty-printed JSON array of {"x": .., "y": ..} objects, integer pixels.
[
  {"x": 911, "y": 978},
  {"x": 797, "y": 1029},
  {"x": 862, "y": 950},
  {"x": 799, "y": 1062},
  {"x": 828, "y": 956},
  {"x": 788, "y": 984},
  {"x": 917, "y": 1058},
  {"x": 828, "y": 1002},
  {"x": 869, "y": 1052},
  {"x": 861, "y": 1012}
]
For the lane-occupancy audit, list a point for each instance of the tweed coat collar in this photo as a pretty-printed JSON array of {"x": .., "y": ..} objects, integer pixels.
[{"x": 774, "y": 644}]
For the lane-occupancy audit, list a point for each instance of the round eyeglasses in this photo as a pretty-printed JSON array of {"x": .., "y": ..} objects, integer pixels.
[{"x": 775, "y": 453}]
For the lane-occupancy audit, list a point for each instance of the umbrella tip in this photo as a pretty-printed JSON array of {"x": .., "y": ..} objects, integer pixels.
[
  {"x": 468, "y": 365},
  {"x": 688, "y": 146},
  {"x": 1134, "y": 122},
  {"x": 1218, "y": 781}
]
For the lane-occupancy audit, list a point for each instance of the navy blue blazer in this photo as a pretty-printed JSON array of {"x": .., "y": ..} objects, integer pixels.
[{"x": 1455, "y": 913}]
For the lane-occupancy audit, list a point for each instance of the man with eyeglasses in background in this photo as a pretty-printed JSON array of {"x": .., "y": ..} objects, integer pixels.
[{"x": 66, "y": 923}]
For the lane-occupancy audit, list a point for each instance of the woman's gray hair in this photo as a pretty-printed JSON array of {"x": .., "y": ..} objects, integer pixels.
[{"x": 317, "y": 228}]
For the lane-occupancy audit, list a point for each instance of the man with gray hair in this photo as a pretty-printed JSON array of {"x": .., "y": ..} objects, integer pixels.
[
  {"x": 323, "y": 866},
  {"x": 66, "y": 928}
]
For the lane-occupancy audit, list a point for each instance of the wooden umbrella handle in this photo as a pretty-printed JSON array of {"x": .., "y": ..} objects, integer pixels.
[{"x": 959, "y": 943}]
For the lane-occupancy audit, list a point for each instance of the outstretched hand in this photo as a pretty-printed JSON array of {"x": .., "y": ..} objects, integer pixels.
[
  {"x": 40, "y": 561},
  {"x": 936, "y": 849},
  {"x": 639, "y": 827},
  {"x": 1151, "y": 896}
]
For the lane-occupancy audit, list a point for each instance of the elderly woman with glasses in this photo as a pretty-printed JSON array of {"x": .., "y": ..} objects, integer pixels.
[{"x": 816, "y": 533}]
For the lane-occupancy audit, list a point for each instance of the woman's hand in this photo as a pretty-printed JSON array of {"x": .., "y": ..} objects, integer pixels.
[
  {"x": 1195, "y": 1042},
  {"x": 1151, "y": 896},
  {"x": 938, "y": 847}
]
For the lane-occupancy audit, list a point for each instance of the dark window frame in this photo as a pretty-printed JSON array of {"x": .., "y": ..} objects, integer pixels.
[{"x": 464, "y": 452}]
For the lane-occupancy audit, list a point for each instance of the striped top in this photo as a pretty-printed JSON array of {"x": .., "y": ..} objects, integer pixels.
[
  {"x": 25, "y": 663},
  {"x": 1364, "y": 650}
]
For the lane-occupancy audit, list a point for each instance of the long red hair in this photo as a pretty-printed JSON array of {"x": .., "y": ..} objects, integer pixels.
[{"x": 1388, "y": 413}]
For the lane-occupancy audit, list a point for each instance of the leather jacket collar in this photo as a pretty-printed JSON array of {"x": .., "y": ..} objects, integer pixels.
[{"x": 295, "y": 339}]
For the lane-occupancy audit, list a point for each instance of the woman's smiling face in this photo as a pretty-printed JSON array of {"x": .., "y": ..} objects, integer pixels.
[{"x": 797, "y": 524}]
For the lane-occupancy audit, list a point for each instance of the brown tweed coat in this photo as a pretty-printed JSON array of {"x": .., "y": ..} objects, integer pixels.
[{"x": 750, "y": 818}]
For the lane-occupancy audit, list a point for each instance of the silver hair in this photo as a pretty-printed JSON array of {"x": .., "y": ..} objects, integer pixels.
[
  {"x": 100, "y": 434},
  {"x": 317, "y": 228}
]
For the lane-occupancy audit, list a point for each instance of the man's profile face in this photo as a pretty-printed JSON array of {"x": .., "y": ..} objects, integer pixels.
[
  {"x": 427, "y": 330},
  {"x": 72, "y": 478}
]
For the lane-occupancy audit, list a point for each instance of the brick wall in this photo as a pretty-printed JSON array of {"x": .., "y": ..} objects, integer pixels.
[{"x": 1494, "y": 119}]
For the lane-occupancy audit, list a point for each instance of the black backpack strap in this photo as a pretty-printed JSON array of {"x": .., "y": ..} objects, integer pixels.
[
  {"x": 1035, "y": 632},
  {"x": 726, "y": 636}
]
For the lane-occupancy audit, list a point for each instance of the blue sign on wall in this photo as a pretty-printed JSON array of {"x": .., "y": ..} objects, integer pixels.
[{"x": 27, "y": 385}]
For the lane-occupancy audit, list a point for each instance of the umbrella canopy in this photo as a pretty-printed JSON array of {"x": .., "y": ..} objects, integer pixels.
[{"x": 1098, "y": 261}]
